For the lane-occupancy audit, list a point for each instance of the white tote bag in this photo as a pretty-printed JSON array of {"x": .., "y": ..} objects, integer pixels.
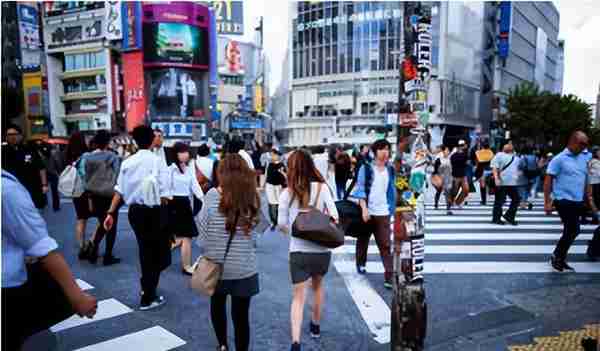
[
  {"x": 70, "y": 183},
  {"x": 150, "y": 188}
]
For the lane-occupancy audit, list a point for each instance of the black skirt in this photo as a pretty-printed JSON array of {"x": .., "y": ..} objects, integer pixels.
[
  {"x": 181, "y": 219},
  {"x": 246, "y": 287}
]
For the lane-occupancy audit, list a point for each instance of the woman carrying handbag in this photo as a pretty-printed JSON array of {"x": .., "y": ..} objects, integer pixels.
[
  {"x": 225, "y": 232},
  {"x": 308, "y": 260}
]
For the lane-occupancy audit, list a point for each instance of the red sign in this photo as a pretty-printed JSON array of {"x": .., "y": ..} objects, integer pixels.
[
  {"x": 408, "y": 120},
  {"x": 133, "y": 89}
]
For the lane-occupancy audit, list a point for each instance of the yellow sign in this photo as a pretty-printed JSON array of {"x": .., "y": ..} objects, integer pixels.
[
  {"x": 258, "y": 99},
  {"x": 32, "y": 92}
]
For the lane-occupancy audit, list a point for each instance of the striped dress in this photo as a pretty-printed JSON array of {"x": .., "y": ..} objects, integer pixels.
[{"x": 212, "y": 236}]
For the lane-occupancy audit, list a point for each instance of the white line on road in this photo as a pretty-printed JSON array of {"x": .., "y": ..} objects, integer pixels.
[
  {"x": 481, "y": 267},
  {"x": 487, "y": 226},
  {"x": 512, "y": 236},
  {"x": 488, "y": 213},
  {"x": 438, "y": 219},
  {"x": 106, "y": 309},
  {"x": 151, "y": 339},
  {"x": 373, "y": 309},
  {"x": 83, "y": 285},
  {"x": 475, "y": 249}
]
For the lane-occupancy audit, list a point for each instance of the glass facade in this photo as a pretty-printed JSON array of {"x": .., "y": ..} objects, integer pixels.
[{"x": 345, "y": 37}]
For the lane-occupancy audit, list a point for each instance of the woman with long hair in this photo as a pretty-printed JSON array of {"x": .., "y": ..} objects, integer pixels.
[
  {"x": 308, "y": 260},
  {"x": 75, "y": 149},
  {"x": 343, "y": 172},
  {"x": 229, "y": 214},
  {"x": 184, "y": 186}
]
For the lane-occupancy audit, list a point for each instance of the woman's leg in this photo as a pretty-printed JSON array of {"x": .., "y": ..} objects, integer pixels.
[
  {"x": 80, "y": 231},
  {"x": 319, "y": 295},
  {"x": 218, "y": 316},
  {"x": 240, "y": 314},
  {"x": 298, "y": 299},
  {"x": 186, "y": 254},
  {"x": 438, "y": 193},
  {"x": 482, "y": 190}
]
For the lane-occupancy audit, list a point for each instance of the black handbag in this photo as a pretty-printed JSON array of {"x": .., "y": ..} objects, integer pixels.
[
  {"x": 317, "y": 227},
  {"x": 350, "y": 214}
]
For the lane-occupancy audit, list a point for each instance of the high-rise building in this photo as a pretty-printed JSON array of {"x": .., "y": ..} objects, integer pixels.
[{"x": 597, "y": 108}]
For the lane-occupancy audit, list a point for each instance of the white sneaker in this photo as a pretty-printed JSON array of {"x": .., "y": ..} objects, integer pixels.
[{"x": 158, "y": 301}]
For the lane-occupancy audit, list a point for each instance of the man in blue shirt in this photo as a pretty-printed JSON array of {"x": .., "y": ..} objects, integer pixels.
[
  {"x": 39, "y": 295},
  {"x": 565, "y": 182}
]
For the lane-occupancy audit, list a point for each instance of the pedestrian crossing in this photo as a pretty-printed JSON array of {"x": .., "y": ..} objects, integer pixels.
[
  {"x": 155, "y": 338},
  {"x": 466, "y": 243}
]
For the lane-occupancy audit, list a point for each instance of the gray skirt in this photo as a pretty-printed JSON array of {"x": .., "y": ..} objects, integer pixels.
[
  {"x": 304, "y": 265},
  {"x": 246, "y": 287}
]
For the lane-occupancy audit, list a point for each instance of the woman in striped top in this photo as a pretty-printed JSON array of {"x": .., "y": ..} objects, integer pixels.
[{"x": 231, "y": 209}]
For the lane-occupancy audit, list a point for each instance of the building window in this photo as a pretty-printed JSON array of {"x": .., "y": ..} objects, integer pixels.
[
  {"x": 88, "y": 60},
  {"x": 364, "y": 108}
]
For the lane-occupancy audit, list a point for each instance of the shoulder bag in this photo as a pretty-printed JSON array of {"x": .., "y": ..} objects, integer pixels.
[
  {"x": 207, "y": 272},
  {"x": 351, "y": 214},
  {"x": 313, "y": 225}
]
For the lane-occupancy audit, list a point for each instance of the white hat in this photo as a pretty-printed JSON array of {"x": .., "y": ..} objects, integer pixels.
[{"x": 461, "y": 142}]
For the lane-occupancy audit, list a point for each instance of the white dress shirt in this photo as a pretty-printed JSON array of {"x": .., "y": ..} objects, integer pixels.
[
  {"x": 322, "y": 164},
  {"x": 184, "y": 184},
  {"x": 247, "y": 158},
  {"x": 134, "y": 170}
]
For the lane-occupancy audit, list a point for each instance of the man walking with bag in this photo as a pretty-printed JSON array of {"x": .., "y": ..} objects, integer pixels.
[
  {"x": 99, "y": 170},
  {"x": 376, "y": 191},
  {"x": 565, "y": 183},
  {"x": 505, "y": 167},
  {"x": 141, "y": 181}
]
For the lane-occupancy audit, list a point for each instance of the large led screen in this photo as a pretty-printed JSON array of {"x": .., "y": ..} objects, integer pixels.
[{"x": 177, "y": 43}]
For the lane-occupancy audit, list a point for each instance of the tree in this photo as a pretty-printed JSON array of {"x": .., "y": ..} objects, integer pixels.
[{"x": 543, "y": 119}]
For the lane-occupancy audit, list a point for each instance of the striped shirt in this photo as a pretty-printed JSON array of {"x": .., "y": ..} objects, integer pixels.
[{"x": 241, "y": 260}]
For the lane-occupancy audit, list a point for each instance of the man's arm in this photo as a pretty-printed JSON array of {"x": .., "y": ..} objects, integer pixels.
[
  {"x": 44, "y": 179},
  {"x": 547, "y": 193},
  {"x": 114, "y": 206}
]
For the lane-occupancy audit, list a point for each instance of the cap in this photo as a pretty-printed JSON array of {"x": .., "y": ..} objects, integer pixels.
[{"x": 461, "y": 142}]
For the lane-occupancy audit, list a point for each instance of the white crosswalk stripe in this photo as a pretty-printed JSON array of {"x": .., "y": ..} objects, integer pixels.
[{"x": 155, "y": 338}]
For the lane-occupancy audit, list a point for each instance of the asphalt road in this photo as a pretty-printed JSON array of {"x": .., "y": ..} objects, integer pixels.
[{"x": 487, "y": 287}]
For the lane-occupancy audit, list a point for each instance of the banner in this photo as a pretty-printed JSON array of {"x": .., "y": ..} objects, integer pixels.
[
  {"x": 230, "y": 16},
  {"x": 29, "y": 36},
  {"x": 114, "y": 20}
]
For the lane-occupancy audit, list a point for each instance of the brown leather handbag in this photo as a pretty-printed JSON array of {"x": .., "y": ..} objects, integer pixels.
[{"x": 317, "y": 227}]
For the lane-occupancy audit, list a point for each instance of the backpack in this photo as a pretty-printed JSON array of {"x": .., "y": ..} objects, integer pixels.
[
  {"x": 100, "y": 177},
  {"x": 530, "y": 173},
  {"x": 70, "y": 183}
]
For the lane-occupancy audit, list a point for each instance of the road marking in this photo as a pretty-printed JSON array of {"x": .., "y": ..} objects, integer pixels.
[
  {"x": 83, "y": 284},
  {"x": 488, "y": 213},
  {"x": 481, "y": 267},
  {"x": 484, "y": 249},
  {"x": 373, "y": 309},
  {"x": 448, "y": 219},
  {"x": 487, "y": 226},
  {"x": 106, "y": 309},
  {"x": 151, "y": 339},
  {"x": 496, "y": 236}
]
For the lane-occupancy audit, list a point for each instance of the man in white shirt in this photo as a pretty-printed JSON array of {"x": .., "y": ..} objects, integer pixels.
[
  {"x": 505, "y": 167},
  {"x": 321, "y": 160},
  {"x": 147, "y": 219}
]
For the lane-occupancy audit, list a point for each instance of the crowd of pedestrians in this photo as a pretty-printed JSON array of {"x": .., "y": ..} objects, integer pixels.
[{"x": 213, "y": 196}]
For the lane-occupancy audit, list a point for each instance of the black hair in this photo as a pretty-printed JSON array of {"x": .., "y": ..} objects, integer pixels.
[
  {"x": 380, "y": 145},
  {"x": 319, "y": 149},
  {"x": 235, "y": 145},
  {"x": 203, "y": 150},
  {"x": 143, "y": 136},
  {"x": 102, "y": 139},
  {"x": 158, "y": 130},
  {"x": 15, "y": 127},
  {"x": 178, "y": 148}
]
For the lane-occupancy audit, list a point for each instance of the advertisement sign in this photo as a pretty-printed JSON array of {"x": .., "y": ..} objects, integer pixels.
[
  {"x": 72, "y": 31},
  {"x": 133, "y": 89},
  {"x": 131, "y": 12},
  {"x": 230, "y": 16},
  {"x": 180, "y": 44},
  {"x": 32, "y": 92},
  {"x": 408, "y": 120},
  {"x": 423, "y": 48},
  {"x": 504, "y": 29},
  {"x": 29, "y": 36},
  {"x": 114, "y": 20},
  {"x": 231, "y": 60},
  {"x": 177, "y": 12},
  {"x": 258, "y": 99},
  {"x": 195, "y": 131},
  {"x": 246, "y": 122},
  {"x": 540, "y": 58}
]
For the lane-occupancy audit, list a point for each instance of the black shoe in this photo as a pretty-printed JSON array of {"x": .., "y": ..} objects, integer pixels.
[
  {"x": 482, "y": 203},
  {"x": 156, "y": 302},
  {"x": 315, "y": 330},
  {"x": 435, "y": 207},
  {"x": 566, "y": 267},
  {"x": 449, "y": 213},
  {"x": 110, "y": 260},
  {"x": 556, "y": 264},
  {"x": 296, "y": 347},
  {"x": 361, "y": 270},
  {"x": 512, "y": 222},
  {"x": 92, "y": 254},
  {"x": 590, "y": 253},
  {"x": 498, "y": 222},
  {"x": 222, "y": 348},
  {"x": 530, "y": 207},
  {"x": 84, "y": 250}
]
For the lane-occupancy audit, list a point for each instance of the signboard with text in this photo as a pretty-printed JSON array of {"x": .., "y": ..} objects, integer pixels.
[{"x": 230, "y": 16}]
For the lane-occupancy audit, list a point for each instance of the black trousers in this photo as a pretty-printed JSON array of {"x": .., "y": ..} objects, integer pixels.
[
  {"x": 53, "y": 182},
  {"x": 32, "y": 307},
  {"x": 273, "y": 212},
  {"x": 240, "y": 314},
  {"x": 100, "y": 206},
  {"x": 149, "y": 226},
  {"x": 569, "y": 212},
  {"x": 501, "y": 193}
]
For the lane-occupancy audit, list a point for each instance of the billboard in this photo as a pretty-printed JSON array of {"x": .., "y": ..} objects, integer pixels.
[
  {"x": 230, "y": 16},
  {"x": 504, "y": 29},
  {"x": 133, "y": 89},
  {"x": 29, "y": 36},
  {"x": 114, "y": 20},
  {"x": 132, "y": 24},
  {"x": 231, "y": 61},
  {"x": 246, "y": 122},
  {"x": 175, "y": 43}
]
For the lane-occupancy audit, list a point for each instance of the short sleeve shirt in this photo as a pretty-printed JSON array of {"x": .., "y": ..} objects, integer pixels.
[
  {"x": 570, "y": 175},
  {"x": 510, "y": 175}
]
